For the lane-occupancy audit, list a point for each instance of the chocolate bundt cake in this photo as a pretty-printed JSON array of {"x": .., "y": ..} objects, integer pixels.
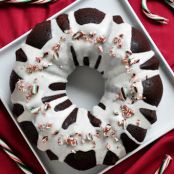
[{"x": 133, "y": 88}]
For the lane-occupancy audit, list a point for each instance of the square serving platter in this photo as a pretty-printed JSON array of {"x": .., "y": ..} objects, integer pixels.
[{"x": 165, "y": 121}]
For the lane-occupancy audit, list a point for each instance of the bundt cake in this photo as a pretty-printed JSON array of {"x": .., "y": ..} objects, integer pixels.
[{"x": 133, "y": 88}]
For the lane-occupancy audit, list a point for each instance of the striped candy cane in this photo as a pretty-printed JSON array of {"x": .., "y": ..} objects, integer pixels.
[
  {"x": 152, "y": 16},
  {"x": 170, "y": 3},
  {"x": 10, "y": 153},
  {"x": 164, "y": 165},
  {"x": 26, "y": 1}
]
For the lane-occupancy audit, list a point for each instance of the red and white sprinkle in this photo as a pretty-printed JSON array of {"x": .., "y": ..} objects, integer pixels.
[
  {"x": 71, "y": 141},
  {"x": 100, "y": 48},
  {"x": 106, "y": 130},
  {"x": 118, "y": 41},
  {"x": 126, "y": 111},
  {"x": 45, "y": 139}
]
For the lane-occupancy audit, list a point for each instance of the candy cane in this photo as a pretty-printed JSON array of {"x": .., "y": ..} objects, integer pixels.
[
  {"x": 170, "y": 3},
  {"x": 26, "y": 1},
  {"x": 10, "y": 153},
  {"x": 164, "y": 165},
  {"x": 16, "y": 1},
  {"x": 41, "y": 1},
  {"x": 171, "y": 0},
  {"x": 152, "y": 16}
]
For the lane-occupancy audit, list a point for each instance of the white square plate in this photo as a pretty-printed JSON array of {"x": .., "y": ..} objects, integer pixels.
[{"x": 165, "y": 120}]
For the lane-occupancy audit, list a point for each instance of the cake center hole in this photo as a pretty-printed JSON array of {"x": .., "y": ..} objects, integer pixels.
[{"x": 85, "y": 87}]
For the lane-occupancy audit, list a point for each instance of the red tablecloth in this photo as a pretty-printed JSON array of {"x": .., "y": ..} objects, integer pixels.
[{"x": 16, "y": 20}]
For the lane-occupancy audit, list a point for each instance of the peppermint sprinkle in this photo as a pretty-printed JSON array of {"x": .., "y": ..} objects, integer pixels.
[
  {"x": 35, "y": 111},
  {"x": 126, "y": 111},
  {"x": 55, "y": 50},
  {"x": 45, "y": 139},
  {"x": 46, "y": 126},
  {"x": 56, "y": 47},
  {"x": 89, "y": 137},
  {"x": 118, "y": 41},
  {"x": 33, "y": 68},
  {"x": 113, "y": 133},
  {"x": 127, "y": 60},
  {"x": 100, "y": 48},
  {"x": 134, "y": 62},
  {"x": 92, "y": 34},
  {"x": 90, "y": 37},
  {"x": 28, "y": 89},
  {"x": 134, "y": 88},
  {"x": 128, "y": 53},
  {"x": 46, "y": 64},
  {"x": 47, "y": 106},
  {"x": 101, "y": 39},
  {"x": 122, "y": 123},
  {"x": 68, "y": 31},
  {"x": 137, "y": 97},
  {"x": 41, "y": 109},
  {"x": 71, "y": 141},
  {"x": 78, "y": 35},
  {"x": 106, "y": 130},
  {"x": 123, "y": 94},
  {"x": 35, "y": 89},
  {"x": 21, "y": 85}
]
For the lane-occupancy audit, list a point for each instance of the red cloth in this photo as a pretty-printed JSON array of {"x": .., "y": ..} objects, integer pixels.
[{"x": 15, "y": 20}]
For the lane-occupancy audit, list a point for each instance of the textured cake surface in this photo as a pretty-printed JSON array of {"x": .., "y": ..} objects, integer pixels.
[{"x": 133, "y": 88}]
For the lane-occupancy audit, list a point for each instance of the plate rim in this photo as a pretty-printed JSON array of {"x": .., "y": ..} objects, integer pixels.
[{"x": 155, "y": 48}]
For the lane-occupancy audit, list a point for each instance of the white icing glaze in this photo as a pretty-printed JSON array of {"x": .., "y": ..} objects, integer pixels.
[{"x": 115, "y": 78}]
